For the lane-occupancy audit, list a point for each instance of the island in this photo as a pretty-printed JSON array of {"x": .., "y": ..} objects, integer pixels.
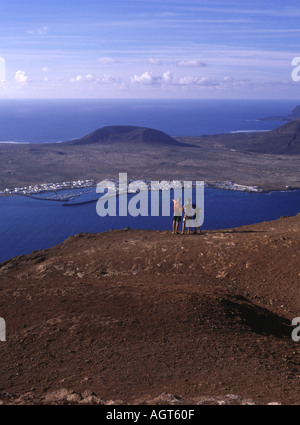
[{"x": 263, "y": 161}]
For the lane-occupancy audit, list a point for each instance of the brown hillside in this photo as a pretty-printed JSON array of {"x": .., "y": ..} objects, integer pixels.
[{"x": 129, "y": 315}]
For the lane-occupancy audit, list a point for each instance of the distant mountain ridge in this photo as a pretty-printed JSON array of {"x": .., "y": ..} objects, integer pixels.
[
  {"x": 283, "y": 140},
  {"x": 294, "y": 115},
  {"x": 128, "y": 135}
]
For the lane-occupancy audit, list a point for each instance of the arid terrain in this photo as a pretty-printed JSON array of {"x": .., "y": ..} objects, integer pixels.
[
  {"x": 136, "y": 316},
  {"x": 270, "y": 161}
]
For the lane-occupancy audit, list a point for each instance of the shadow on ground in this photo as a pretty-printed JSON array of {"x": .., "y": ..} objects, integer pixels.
[{"x": 259, "y": 319}]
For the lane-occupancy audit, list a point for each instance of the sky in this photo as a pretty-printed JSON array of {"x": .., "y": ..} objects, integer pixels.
[{"x": 149, "y": 49}]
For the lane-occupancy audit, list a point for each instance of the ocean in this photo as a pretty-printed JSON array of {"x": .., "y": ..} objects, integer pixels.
[
  {"x": 31, "y": 224},
  {"x": 42, "y": 121}
]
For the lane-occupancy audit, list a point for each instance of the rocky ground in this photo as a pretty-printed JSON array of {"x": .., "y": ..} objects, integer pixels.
[
  {"x": 215, "y": 158},
  {"x": 148, "y": 317}
]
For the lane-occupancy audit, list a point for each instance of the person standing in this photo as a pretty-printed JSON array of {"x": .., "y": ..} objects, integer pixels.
[
  {"x": 187, "y": 216},
  {"x": 195, "y": 217},
  {"x": 177, "y": 215}
]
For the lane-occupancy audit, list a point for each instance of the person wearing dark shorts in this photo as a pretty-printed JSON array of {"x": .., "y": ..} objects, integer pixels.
[{"x": 177, "y": 215}]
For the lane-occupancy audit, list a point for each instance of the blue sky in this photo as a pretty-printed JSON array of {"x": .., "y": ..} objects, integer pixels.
[{"x": 149, "y": 48}]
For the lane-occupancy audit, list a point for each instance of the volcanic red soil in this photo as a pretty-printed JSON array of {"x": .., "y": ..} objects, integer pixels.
[{"x": 137, "y": 316}]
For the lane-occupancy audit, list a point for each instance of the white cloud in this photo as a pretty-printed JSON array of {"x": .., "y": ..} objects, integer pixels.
[
  {"x": 192, "y": 62},
  {"x": 229, "y": 81},
  {"x": 168, "y": 77},
  {"x": 107, "y": 60},
  {"x": 187, "y": 81},
  {"x": 89, "y": 78},
  {"x": 21, "y": 77},
  {"x": 77, "y": 79},
  {"x": 147, "y": 78},
  {"x": 207, "y": 82},
  {"x": 43, "y": 30},
  {"x": 45, "y": 69},
  {"x": 195, "y": 81},
  {"x": 154, "y": 61},
  {"x": 39, "y": 31},
  {"x": 106, "y": 79}
]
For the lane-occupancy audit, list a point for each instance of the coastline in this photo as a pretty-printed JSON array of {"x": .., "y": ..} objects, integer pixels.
[
  {"x": 29, "y": 191},
  {"x": 209, "y": 158}
]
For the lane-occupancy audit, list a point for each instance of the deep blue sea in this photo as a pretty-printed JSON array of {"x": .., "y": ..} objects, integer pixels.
[
  {"x": 51, "y": 120},
  {"x": 30, "y": 224}
]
